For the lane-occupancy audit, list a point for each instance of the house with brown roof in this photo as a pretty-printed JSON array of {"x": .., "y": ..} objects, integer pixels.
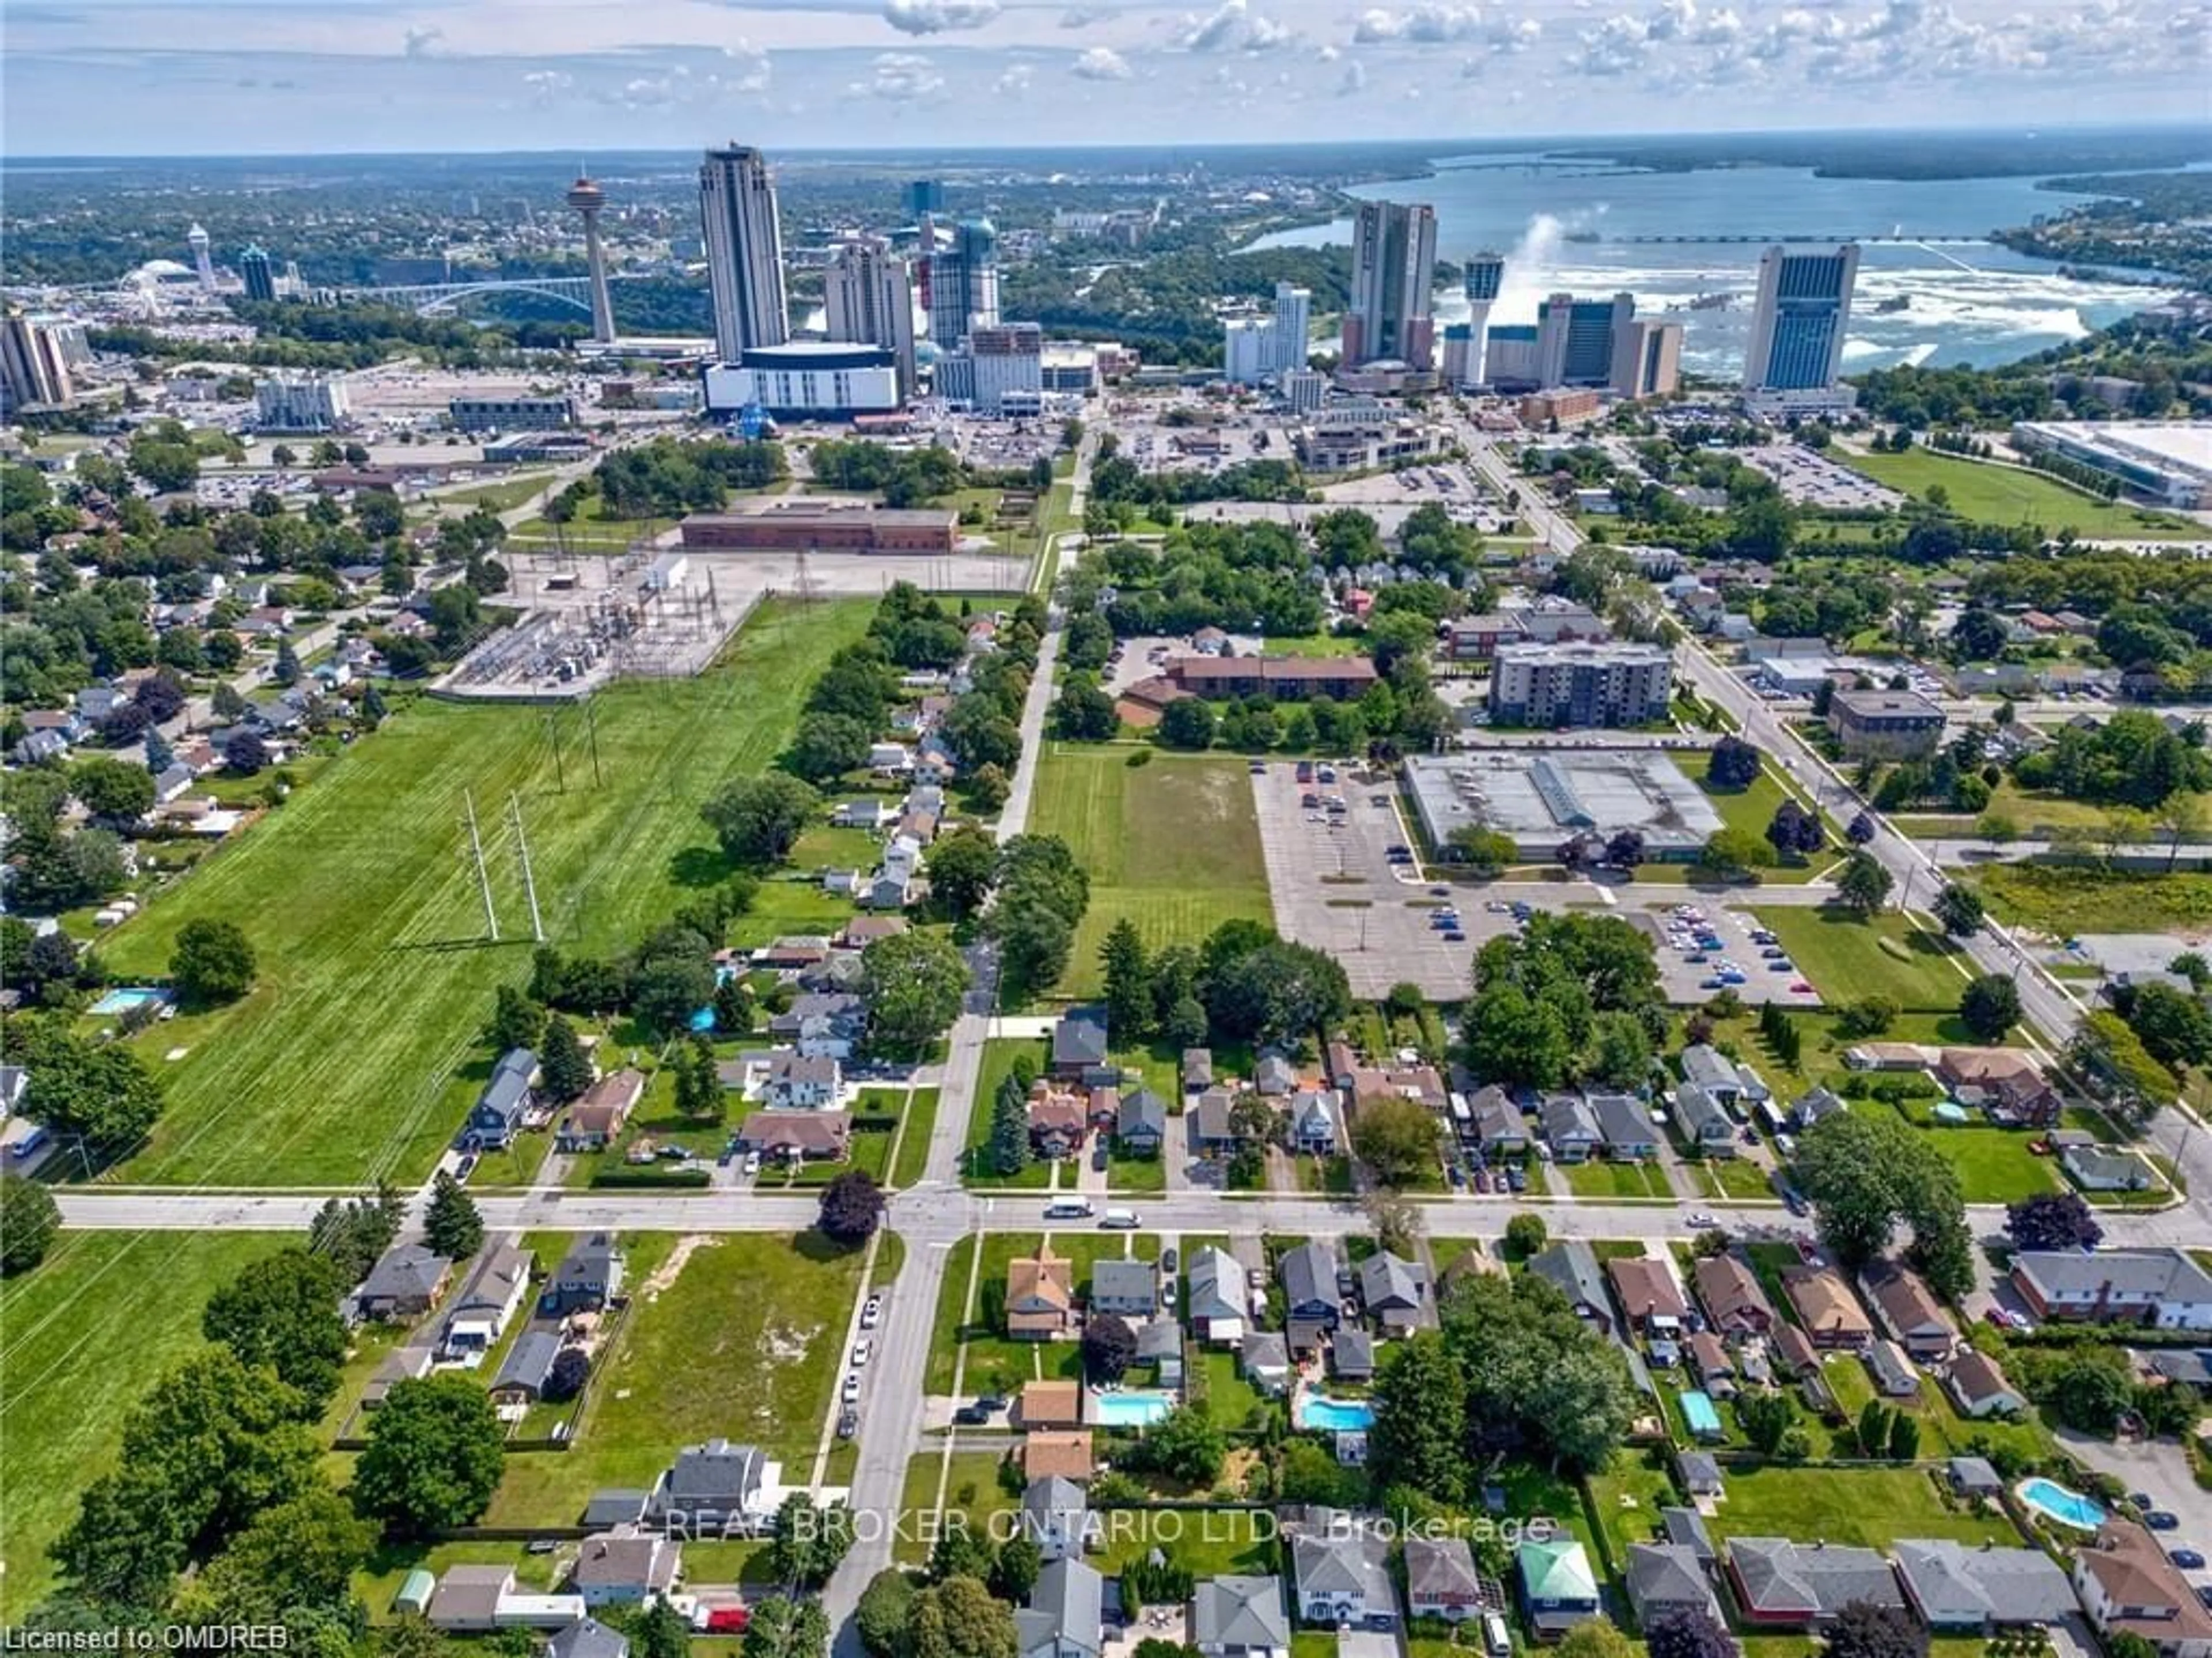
[
  {"x": 1794, "y": 1353},
  {"x": 1057, "y": 1453},
  {"x": 600, "y": 1112},
  {"x": 1825, "y": 1305},
  {"x": 2127, "y": 1585},
  {"x": 1040, "y": 1297},
  {"x": 1978, "y": 1386},
  {"x": 1060, "y": 1119},
  {"x": 1051, "y": 1404},
  {"x": 2006, "y": 1081},
  {"x": 1908, "y": 1310},
  {"x": 1733, "y": 1300},
  {"x": 1646, "y": 1292},
  {"x": 815, "y": 1135}
]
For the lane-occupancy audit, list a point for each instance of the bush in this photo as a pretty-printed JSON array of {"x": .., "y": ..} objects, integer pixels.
[{"x": 648, "y": 1175}]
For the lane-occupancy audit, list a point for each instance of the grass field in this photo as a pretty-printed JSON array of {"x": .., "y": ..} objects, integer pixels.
[
  {"x": 503, "y": 497},
  {"x": 999, "y": 1056},
  {"x": 590, "y": 532},
  {"x": 1994, "y": 1164},
  {"x": 921, "y": 1116},
  {"x": 347, "y": 1059},
  {"x": 2006, "y": 494},
  {"x": 2038, "y": 813},
  {"x": 81, "y": 1339},
  {"x": 1172, "y": 845},
  {"x": 2062, "y": 902},
  {"x": 995, "y": 1361},
  {"x": 1865, "y": 1507},
  {"x": 1844, "y": 957},
  {"x": 1601, "y": 1177}
]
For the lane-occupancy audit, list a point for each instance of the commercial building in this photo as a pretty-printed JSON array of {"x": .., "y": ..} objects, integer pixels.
[
  {"x": 1260, "y": 347},
  {"x": 963, "y": 283},
  {"x": 1623, "y": 683},
  {"x": 922, "y": 196},
  {"x": 1575, "y": 339},
  {"x": 824, "y": 525},
  {"x": 1568, "y": 407},
  {"x": 1884, "y": 725},
  {"x": 1394, "y": 273},
  {"x": 868, "y": 299},
  {"x": 299, "y": 403},
  {"x": 38, "y": 355},
  {"x": 1359, "y": 434},
  {"x": 258, "y": 273},
  {"x": 744, "y": 252},
  {"x": 1303, "y": 389},
  {"x": 511, "y": 414},
  {"x": 1647, "y": 358},
  {"x": 2166, "y": 462},
  {"x": 1285, "y": 679},
  {"x": 807, "y": 379},
  {"x": 1510, "y": 357},
  {"x": 1544, "y": 797},
  {"x": 1798, "y": 322},
  {"x": 993, "y": 364}
]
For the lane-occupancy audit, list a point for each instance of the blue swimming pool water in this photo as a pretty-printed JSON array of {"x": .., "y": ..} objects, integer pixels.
[
  {"x": 1336, "y": 1415},
  {"x": 1138, "y": 1409},
  {"x": 1950, "y": 1111},
  {"x": 123, "y": 1000},
  {"x": 2069, "y": 1507},
  {"x": 1697, "y": 1411}
]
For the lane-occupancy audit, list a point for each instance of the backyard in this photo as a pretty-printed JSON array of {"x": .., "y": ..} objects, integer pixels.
[
  {"x": 2009, "y": 495},
  {"x": 995, "y": 1361},
  {"x": 1869, "y": 1508},
  {"x": 375, "y": 977}
]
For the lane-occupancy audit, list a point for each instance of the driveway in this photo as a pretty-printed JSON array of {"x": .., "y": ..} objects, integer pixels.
[
  {"x": 2159, "y": 1468},
  {"x": 1365, "y": 1643}
]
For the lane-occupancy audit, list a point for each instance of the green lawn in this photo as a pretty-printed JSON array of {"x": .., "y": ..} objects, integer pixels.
[
  {"x": 1730, "y": 1178},
  {"x": 970, "y": 1490},
  {"x": 1844, "y": 957},
  {"x": 2063, "y": 901},
  {"x": 1172, "y": 845},
  {"x": 81, "y": 1338},
  {"x": 354, "y": 1055},
  {"x": 914, "y": 1148},
  {"x": 505, "y": 495},
  {"x": 1626, "y": 1499},
  {"x": 590, "y": 529},
  {"x": 1869, "y": 1508},
  {"x": 2037, "y": 812},
  {"x": 995, "y": 1361},
  {"x": 999, "y": 1055},
  {"x": 2004, "y": 494},
  {"x": 1994, "y": 1164},
  {"x": 746, "y": 1342},
  {"x": 1600, "y": 1177}
]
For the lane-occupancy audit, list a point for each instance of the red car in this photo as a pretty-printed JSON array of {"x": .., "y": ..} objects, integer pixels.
[{"x": 728, "y": 1620}]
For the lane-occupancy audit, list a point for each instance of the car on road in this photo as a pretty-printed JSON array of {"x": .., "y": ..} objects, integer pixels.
[
  {"x": 863, "y": 1350},
  {"x": 1801, "y": 989},
  {"x": 1455, "y": 936},
  {"x": 1703, "y": 1219},
  {"x": 1068, "y": 1209},
  {"x": 2187, "y": 1559},
  {"x": 1439, "y": 892},
  {"x": 872, "y": 1312},
  {"x": 752, "y": 1164},
  {"x": 1258, "y": 768},
  {"x": 850, "y": 1393},
  {"x": 1782, "y": 967},
  {"x": 1120, "y": 1220},
  {"x": 848, "y": 1423},
  {"x": 2162, "y": 1520},
  {"x": 2141, "y": 1499},
  {"x": 971, "y": 1415}
]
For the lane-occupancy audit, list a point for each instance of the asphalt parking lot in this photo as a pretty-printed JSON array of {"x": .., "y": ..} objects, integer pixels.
[{"x": 1678, "y": 934}]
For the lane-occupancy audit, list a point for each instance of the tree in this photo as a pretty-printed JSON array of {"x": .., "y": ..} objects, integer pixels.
[
  {"x": 1794, "y": 832},
  {"x": 1688, "y": 1633},
  {"x": 1083, "y": 712},
  {"x": 1397, "y": 1139},
  {"x": 103, "y": 1095},
  {"x": 1860, "y": 829},
  {"x": 2171, "y": 1023},
  {"x": 660, "y": 1631},
  {"x": 516, "y": 1021},
  {"x": 1866, "y": 1172},
  {"x": 1862, "y": 1629},
  {"x": 564, "y": 1069},
  {"x": 1735, "y": 764},
  {"x": 28, "y": 1221},
  {"x": 1593, "y": 1638},
  {"x": 1904, "y": 1437},
  {"x": 1128, "y": 981},
  {"x": 759, "y": 819},
  {"x": 1007, "y": 1152},
  {"x": 1526, "y": 1234},
  {"x": 1732, "y": 853},
  {"x": 1872, "y": 1428},
  {"x": 885, "y": 1608},
  {"x": 1514, "y": 1039},
  {"x": 1766, "y": 1416},
  {"x": 699, "y": 1082},
  {"x": 1979, "y": 633},
  {"x": 1187, "y": 723},
  {"x": 1869, "y": 1016},
  {"x": 1108, "y": 1346},
  {"x": 243, "y": 751},
  {"x": 806, "y": 1542},
  {"x": 2053, "y": 1220},
  {"x": 451, "y": 1224},
  {"x": 1619, "y": 1054},
  {"x": 852, "y": 1207},
  {"x": 1485, "y": 851},
  {"x": 827, "y": 746},
  {"x": 1959, "y": 909},
  {"x": 1185, "y": 1444},
  {"x": 212, "y": 962},
  {"x": 1863, "y": 886},
  {"x": 958, "y": 1618},
  {"x": 1016, "y": 1567},
  {"x": 298, "y": 1557},
  {"x": 571, "y": 1368},
  {"x": 1990, "y": 1006},
  {"x": 961, "y": 867},
  {"x": 112, "y": 791},
  {"x": 914, "y": 984},
  {"x": 2090, "y": 1389},
  {"x": 782, "y": 1628},
  {"x": 282, "y": 1311},
  {"x": 1417, "y": 1438},
  {"x": 435, "y": 1456}
]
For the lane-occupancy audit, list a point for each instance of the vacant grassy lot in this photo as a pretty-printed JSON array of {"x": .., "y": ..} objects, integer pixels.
[
  {"x": 375, "y": 977},
  {"x": 740, "y": 1337},
  {"x": 2062, "y": 902},
  {"x": 2009, "y": 495},
  {"x": 1172, "y": 845},
  {"x": 1994, "y": 1164},
  {"x": 505, "y": 495},
  {"x": 81, "y": 1338},
  {"x": 1845, "y": 958},
  {"x": 1601, "y": 1177},
  {"x": 1865, "y": 1507}
]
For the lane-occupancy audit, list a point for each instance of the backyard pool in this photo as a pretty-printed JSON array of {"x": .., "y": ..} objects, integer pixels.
[
  {"x": 1139, "y": 1408},
  {"x": 2054, "y": 1501},
  {"x": 1319, "y": 1411},
  {"x": 1951, "y": 1112},
  {"x": 129, "y": 996}
]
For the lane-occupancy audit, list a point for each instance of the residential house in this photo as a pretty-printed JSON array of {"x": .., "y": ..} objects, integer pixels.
[
  {"x": 1499, "y": 1124},
  {"x": 1140, "y": 1124},
  {"x": 1779, "y": 1584},
  {"x": 1159, "y": 1344},
  {"x": 1274, "y": 1076},
  {"x": 1891, "y": 1369},
  {"x": 716, "y": 1486},
  {"x": 822, "y": 1025},
  {"x": 873, "y": 812},
  {"x": 1887, "y": 1056},
  {"x": 1954, "y": 1589},
  {"x": 1558, "y": 1587},
  {"x": 1197, "y": 1076},
  {"x": 1059, "y": 1120},
  {"x": 2164, "y": 1289},
  {"x": 1065, "y": 1614},
  {"x": 2006, "y": 1081},
  {"x": 1729, "y": 1084},
  {"x": 1818, "y": 1104},
  {"x": 1627, "y": 1127},
  {"x": 1217, "y": 1300},
  {"x": 1571, "y": 1268},
  {"x": 1977, "y": 1385},
  {"x": 1313, "y": 1121},
  {"x": 1716, "y": 1371},
  {"x": 1351, "y": 1356},
  {"x": 1571, "y": 1128},
  {"x": 597, "y": 1119},
  {"x": 1699, "y": 1475},
  {"x": 1973, "y": 1477},
  {"x": 1340, "y": 1575},
  {"x": 1040, "y": 1297},
  {"x": 406, "y": 1363},
  {"x": 1908, "y": 1310},
  {"x": 1080, "y": 1047},
  {"x": 523, "y": 1372},
  {"x": 1419, "y": 1083},
  {"x": 1056, "y": 1517},
  {"x": 405, "y": 1283},
  {"x": 1830, "y": 1314},
  {"x": 1062, "y": 1453},
  {"x": 1308, "y": 1274},
  {"x": 1239, "y": 1616},
  {"x": 467, "y": 1599},
  {"x": 1441, "y": 1581},
  {"x": 588, "y": 1278},
  {"x": 487, "y": 1301},
  {"x": 1206, "y": 1124},
  {"x": 1049, "y": 1402},
  {"x": 1648, "y": 1295},
  {"x": 1729, "y": 1291},
  {"x": 2127, "y": 1587},
  {"x": 1393, "y": 1291},
  {"x": 1685, "y": 1528},
  {"x": 798, "y": 1136},
  {"x": 627, "y": 1566},
  {"x": 1264, "y": 1356},
  {"x": 800, "y": 1082},
  {"x": 1128, "y": 1289},
  {"x": 1665, "y": 1578},
  {"x": 587, "y": 1637},
  {"x": 2097, "y": 1169},
  {"x": 497, "y": 1116},
  {"x": 862, "y": 931}
]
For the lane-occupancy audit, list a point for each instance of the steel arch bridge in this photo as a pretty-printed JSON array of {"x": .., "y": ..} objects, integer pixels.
[{"x": 431, "y": 299}]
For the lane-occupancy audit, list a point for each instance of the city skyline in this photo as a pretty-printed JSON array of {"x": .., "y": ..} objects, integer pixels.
[{"x": 246, "y": 76}]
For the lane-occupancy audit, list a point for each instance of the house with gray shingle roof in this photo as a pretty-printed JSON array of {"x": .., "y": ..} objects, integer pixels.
[
  {"x": 1240, "y": 1617},
  {"x": 1665, "y": 1577},
  {"x": 405, "y": 1283},
  {"x": 1080, "y": 1044},
  {"x": 587, "y": 1637},
  {"x": 1626, "y": 1127},
  {"x": 1309, "y": 1274},
  {"x": 1340, "y": 1575},
  {"x": 1571, "y": 1268},
  {"x": 1952, "y": 1586},
  {"x": 1441, "y": 1580},
  {"x": 1056, "y": 1517},
  {"x": 1140, "y": 1123},
  {"x": 1217, "y": 1307},
  {"x": 1392, "y": 1290},
  {"x": 1127, "y": 1289},
  {"x": 1782, "y": 1584},
  {"x": 1705, "y": 1123},
  {"x": 1571, "y": 1128},
  {"x": 1065, "y": 1615},
  {"x": 523, "y": 1372}
]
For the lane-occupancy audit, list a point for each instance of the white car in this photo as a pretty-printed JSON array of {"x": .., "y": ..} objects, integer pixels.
[
  {"x": 752, "y": 1162},
  {"x": 850, "y": 1394},
  {"x": 862, "y": 1349},
  {"x": 1701, "y": 1217},
  {"x": 872, "y": 1312}
]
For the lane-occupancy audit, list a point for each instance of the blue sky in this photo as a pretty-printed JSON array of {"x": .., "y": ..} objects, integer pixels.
[{"x": 284, "y": 76}]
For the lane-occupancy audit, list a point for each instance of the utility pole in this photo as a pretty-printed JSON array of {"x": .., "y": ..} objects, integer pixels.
[
  {"x": 529, "y": 884},
  {"x": 483, "y": 880}
]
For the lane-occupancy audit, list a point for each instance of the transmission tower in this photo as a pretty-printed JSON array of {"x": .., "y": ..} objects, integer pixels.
[{"x": 483, "y": 878}]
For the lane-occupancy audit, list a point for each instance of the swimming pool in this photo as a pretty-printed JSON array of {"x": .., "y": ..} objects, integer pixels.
[
  {"x": 1697, "y": 1411},
  {"x": 1951, "y": 1112},
  {"x": 2055, "y": 1502},
  {"x": 123, "y": 1000},
  {"x": 1335, "y": 1415},
  {"x": 1138, "y": 1408}
]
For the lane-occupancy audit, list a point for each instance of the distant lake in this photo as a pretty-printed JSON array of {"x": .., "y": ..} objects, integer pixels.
[{"x": 1567, "y": 224}]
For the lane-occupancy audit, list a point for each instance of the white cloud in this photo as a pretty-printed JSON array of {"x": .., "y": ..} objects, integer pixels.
[
  {"x": 1514, "y": 35},
  {"x": 1427, "y": 24},
  {"x": 750, "y": 69},
  {"x": 904, "y": 76},
  {"x": 938, "y": 16},
  {"x": 547, "y": 85},
  {"x": 1082, "y": 17},
  {"x": 1014, "y": 81},
  {"x": 1103, "y": 64},
  {"x": 422, "y": 42},
  {"x": 1233, "y": 27}
]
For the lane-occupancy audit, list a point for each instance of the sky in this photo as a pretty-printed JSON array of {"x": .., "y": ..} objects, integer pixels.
[{"x": 294, "y": 77}]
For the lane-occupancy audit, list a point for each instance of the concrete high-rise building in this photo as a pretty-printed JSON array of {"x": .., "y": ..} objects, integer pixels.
[
  {"x": 256, "y": 270},
  {"x": 868, "y": 299},
  {"x": 1556, "y": 686},
  {"x": 1798, "y": 322},
  {"x": 589, "y": 200},
  {"x": 1394, "y": 265},
  {"x": 923, "y": 197},
  {"x": 1462, "y": 364},
  {"x": 1509, "y": 356},
  {"x": 1256, "y": 348},
  {"x": 745, "y": 251},
  {"x": 300, "y": 402},
  {"x": 998, "y": 364},
  {"x": 1647, "y": 358},
  {"x": 202, "y": 262},
  {"x": 964, "y": 284},
  {"x": 37, "y": 357},
  {"x": 1575, "y": 339},
  {"x": 1293, "y": 326}
]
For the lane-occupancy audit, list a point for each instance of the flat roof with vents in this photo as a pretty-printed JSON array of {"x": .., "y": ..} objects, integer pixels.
[{"x": 1540, "y": 797}]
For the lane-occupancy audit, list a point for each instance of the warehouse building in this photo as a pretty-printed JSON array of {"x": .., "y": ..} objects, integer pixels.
[{"x": 1544, "y": 798}]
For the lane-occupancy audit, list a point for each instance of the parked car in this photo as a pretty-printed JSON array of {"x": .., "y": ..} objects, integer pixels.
[
  {"x": 850, "y": 1393},
  {"x": 848, "y": 1423},
  {"x": 863, "y": 1350},
  {"x": 872, "y": 1312},
  {"x": 1455, "y": 936},
  {"x": 2162, "y": 1520},
  {"x": 752, "y": 1162},
  {"x": 971, "y": 1415},
  {"x": 2187, "y": 1559}
]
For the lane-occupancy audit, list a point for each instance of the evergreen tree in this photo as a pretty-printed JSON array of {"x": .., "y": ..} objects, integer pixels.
[
  {"x": 1008, "y": 1150},
  {"x": 563, "y": 1066},
  {"x": 699, "y": 1082},
  {"x": 160, "y": 756},
  {"x": 451, "y": 1224},
  {"x": 287, "y": 669},
  {"x": 1128, "y": 981}
]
